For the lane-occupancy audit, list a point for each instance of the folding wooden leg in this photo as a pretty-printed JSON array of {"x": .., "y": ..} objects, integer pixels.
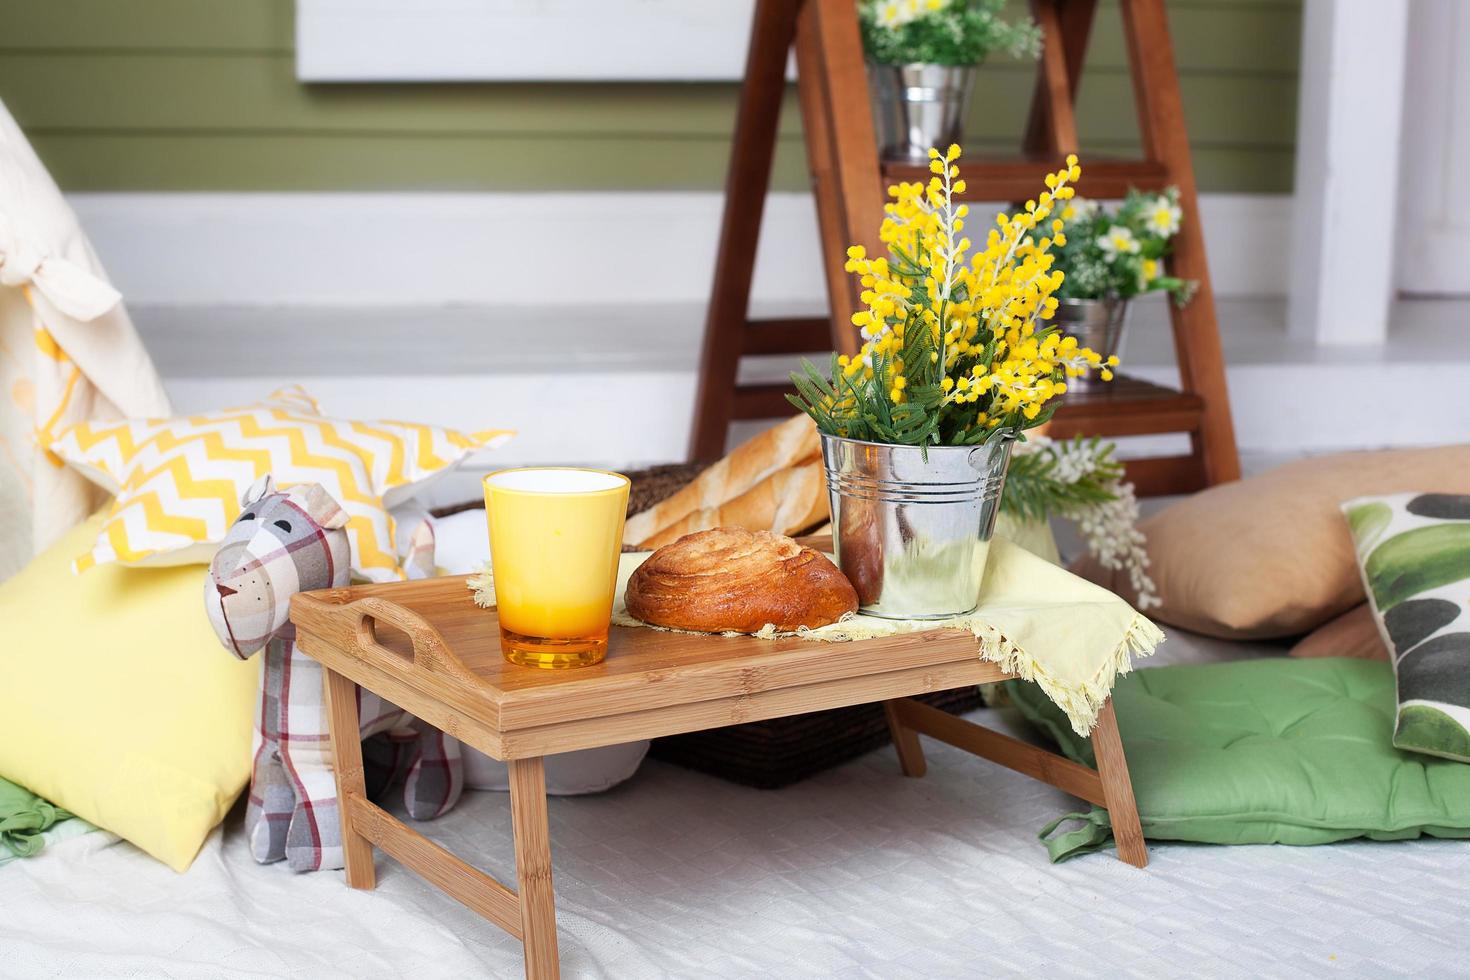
[
  {"x": 1107, "y": 786},
  {"x": 906, "y": 741},
  {"x": 343, "y": 728},
  {"x": 529, "y": 914},
  {"x": 533, "y": 867},
  {"x": 1117, "y": 788}
]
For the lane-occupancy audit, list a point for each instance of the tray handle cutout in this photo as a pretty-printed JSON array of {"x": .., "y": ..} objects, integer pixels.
[{"x": 430, "y": 652}]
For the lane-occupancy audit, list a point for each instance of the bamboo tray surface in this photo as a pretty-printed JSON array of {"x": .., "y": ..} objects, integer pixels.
[{"x": 439, "y": 641}]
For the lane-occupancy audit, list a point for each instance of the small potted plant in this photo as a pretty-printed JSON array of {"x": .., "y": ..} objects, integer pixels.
[
  {"x": 1111, "y": 256},
  {"x": 960, "y": 355},
  {"x": 922, "y": 56}
]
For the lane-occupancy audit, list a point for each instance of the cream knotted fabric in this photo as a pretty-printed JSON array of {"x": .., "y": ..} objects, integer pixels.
[
  {"x": 74, "y": 291},
  {"x": 68, "y": 353}
]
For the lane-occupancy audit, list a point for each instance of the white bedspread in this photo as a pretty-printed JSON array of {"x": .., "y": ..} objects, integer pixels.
[{"x": 855, "y": 873}]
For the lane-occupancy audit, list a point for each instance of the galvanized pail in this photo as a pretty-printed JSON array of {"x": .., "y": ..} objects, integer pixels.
[
  {"x": 1097, "y": 324},
  {"x": 911, "y": 533},
  {"x": 917, "y": 107}
]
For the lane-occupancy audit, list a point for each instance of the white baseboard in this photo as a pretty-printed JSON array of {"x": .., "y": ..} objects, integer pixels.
[{"x": 406, "y": 249}]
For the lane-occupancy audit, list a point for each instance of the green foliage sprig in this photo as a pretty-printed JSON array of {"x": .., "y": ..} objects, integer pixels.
[
  {"x": 943, "y": 32},
  {"x": 1080, "y": 481},
  {"x": 1038, "y": 485}
]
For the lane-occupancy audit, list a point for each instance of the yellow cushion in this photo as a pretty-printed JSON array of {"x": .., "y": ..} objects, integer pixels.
[
  {"x": 178, "y": 481},
  {"x": 117, "y": 701}
]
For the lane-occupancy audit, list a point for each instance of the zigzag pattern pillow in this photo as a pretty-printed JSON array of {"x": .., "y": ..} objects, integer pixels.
[
  {"x": 178, "y": 482},
  {"x": 1414, "y": 556}
]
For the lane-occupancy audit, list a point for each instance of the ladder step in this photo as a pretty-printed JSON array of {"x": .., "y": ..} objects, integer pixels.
[
  {"x": 1126, "y": 407},
  {"x": 762, "y": 402},
  {"x": 1020, "y": 179},
  {"x": 788, "y": 335}
]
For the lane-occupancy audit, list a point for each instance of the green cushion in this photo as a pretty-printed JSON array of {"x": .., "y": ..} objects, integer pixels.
[{"x": 1263, "y": 752}]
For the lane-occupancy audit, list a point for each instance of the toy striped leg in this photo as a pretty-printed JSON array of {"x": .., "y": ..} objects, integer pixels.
[{"x": 436, "y": 777}]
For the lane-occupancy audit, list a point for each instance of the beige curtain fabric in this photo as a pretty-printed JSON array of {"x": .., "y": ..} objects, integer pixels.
[{"x": 68, "y": 353}]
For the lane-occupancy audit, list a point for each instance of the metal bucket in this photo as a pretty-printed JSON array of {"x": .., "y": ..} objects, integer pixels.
[
  {"x": 1098, "y": 324},
  {"x": 913, "y": 534},
  {"x": 917, "y": 107}
]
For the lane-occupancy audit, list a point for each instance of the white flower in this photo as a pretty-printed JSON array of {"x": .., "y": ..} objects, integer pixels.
[
  {"x": 1080, "y": 209},
  {"x": 1118, "y": 241},
  {"x": 1110, "y": 527},
  {"x": 1164, "y": 217},
  {"x": 894, "y": 14}
]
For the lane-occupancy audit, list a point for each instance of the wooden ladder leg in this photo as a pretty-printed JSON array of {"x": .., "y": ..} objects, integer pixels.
[
  {"x": 842, "y": 150},
  {"x": 906, "y": 741},
  {"x": 340, "y": 696},
  {"x": 533, "y": 867},
  {"x": 1052, "y": 127},
  {"x": 1066, "y": 26},
  {"x": 1112, "y": 768},
  {"x": 1196, "y": 327},
  {"x": 751, "y": 155}
]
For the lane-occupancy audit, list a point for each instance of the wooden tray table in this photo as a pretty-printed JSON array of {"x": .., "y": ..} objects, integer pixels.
[{"x": 439, "y": 657}]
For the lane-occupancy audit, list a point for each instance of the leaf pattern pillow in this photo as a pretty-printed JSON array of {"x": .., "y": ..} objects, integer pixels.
[{"x": 1414, "y": 556}]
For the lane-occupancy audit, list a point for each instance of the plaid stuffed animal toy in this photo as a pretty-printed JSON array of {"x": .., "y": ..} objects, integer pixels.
[{"x": 282, "y": 543}]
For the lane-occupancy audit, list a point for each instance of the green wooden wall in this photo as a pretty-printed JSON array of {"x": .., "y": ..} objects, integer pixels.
[{"x": 149, "y": 95}]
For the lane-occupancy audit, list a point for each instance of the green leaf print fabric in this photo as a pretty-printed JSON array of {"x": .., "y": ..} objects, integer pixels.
[{"x": 1414, "y": 555}]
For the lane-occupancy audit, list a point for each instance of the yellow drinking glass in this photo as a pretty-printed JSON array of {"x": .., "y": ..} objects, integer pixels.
[{"x": 555, "y": 537}]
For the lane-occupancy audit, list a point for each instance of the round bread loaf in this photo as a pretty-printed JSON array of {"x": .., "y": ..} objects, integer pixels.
[{"x": 728, "y": 579}]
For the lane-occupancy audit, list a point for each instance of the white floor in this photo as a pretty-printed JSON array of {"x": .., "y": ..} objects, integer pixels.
[{"x": 855, "y": 873}]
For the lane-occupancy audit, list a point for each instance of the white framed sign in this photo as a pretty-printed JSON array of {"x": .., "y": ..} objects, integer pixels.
[{"x": 521, "y": 40}]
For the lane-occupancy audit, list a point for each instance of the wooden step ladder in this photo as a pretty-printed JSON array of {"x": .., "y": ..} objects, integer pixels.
[{"x": 849, "y": 183}]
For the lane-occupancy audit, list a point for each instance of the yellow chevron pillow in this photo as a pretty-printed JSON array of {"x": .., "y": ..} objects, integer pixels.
[{"x": 177, "y": 482}]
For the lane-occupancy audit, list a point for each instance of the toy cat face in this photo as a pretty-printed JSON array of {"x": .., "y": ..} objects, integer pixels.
[{"x": 282, "y": 543}]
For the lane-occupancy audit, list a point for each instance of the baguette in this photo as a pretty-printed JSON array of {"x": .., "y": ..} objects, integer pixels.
[
  {"x": 787, "y": 502},
  {"x": 793, "y": 441}
]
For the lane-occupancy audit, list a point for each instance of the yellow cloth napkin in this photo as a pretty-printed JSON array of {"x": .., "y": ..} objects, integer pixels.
[{"x": 1035, "y": 620}]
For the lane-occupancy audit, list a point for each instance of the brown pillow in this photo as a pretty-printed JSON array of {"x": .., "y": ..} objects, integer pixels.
[
  {"x": 1353, "y": 634},
  {"x": 1271, "y": 556}
]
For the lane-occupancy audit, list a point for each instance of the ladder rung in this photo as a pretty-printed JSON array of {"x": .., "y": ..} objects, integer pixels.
[
  {"x": 762, "y": 402},
  {"x": 790, "y": 335},
  {"x": 1020, "y": 179},
  {"x": 1126, "y": 407}
]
